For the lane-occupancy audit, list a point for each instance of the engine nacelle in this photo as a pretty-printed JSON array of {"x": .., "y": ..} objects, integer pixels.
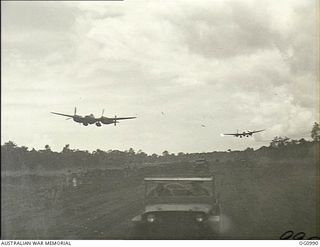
[{"x": 115, "y": 120}]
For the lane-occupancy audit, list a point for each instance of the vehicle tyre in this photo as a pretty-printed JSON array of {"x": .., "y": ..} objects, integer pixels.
[
  {"x": 137, "y": 232},
  {"x": 216, "y": 230}
]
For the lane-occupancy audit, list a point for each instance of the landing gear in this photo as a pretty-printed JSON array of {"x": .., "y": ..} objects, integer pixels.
[
  {"x": 85, "y": 124},
  {"x": 98, "y": 124}
]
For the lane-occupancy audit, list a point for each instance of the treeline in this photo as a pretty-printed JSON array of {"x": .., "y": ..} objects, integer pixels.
[{"x": 15, "y": 158}]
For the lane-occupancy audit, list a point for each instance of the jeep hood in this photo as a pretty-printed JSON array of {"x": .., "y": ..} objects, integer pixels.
[{"x": 178, "y": 207}]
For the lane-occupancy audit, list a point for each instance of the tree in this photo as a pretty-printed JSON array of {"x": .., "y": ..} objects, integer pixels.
[
  {"x": 66, "y": 148},
  {"x": 294, "y": 142},
  {"x": 24, "y": 148},
  {"x": 279, "y": 142},
  {"x": 141, "y": 156},
  {"x": 315, "y": 132},
  {"x": 131, "y": 151},
  {"x": 154, "y": 156},
  {"x": 165, "y": 153},
  {"x": 302, "y": 141},
  {"x": 47, "y": 147},
  {"x": 10, "y": 145},
  {"x": 181, "y": 156}
]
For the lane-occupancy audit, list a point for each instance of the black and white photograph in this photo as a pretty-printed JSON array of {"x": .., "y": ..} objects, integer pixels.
[{"x": 160, "y": 120}]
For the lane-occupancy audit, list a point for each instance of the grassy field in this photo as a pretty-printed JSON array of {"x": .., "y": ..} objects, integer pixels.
[{"x": 262, "y": 202}]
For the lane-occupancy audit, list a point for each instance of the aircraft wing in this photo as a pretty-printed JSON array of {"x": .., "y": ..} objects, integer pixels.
[
  {"x": 61, "y": 114},
  {"x": 230, "y": 134},
  {"x": 257, "y": 131},
  {"x": 122, "y": 118}
]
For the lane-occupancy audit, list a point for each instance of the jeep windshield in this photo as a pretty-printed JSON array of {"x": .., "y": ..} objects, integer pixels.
[{"x": 178, "y": 187}]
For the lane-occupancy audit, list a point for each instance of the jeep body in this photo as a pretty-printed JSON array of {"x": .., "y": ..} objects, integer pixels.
[{"x": 179, "y": 208}]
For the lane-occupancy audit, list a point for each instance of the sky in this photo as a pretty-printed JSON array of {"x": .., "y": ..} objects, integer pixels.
[{"x": 189, "y": 71}]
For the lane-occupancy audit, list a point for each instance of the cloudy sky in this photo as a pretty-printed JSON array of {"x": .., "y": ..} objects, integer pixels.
[{"x": 177, "y": 65}]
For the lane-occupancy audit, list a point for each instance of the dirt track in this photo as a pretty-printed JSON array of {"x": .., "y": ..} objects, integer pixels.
[
  {"x": 256, "y": 204},
  {"x": 78, "y": 213},
  {"x": 104, "y": 216}
]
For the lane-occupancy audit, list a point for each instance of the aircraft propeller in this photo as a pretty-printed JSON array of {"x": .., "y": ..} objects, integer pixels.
[
  {"x": 115, "y": 120},
  {"x": 75, "y": 113}
]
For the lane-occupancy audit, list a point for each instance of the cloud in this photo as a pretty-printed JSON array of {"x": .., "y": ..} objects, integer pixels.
[
  {"x": 37, "y": 29},
  {"x": 225, "y": 64},
  {"x": 225, "y": 31}
]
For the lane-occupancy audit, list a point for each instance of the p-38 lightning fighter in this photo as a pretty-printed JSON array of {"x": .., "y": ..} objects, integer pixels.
[{"x": 91, "y": 119}]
